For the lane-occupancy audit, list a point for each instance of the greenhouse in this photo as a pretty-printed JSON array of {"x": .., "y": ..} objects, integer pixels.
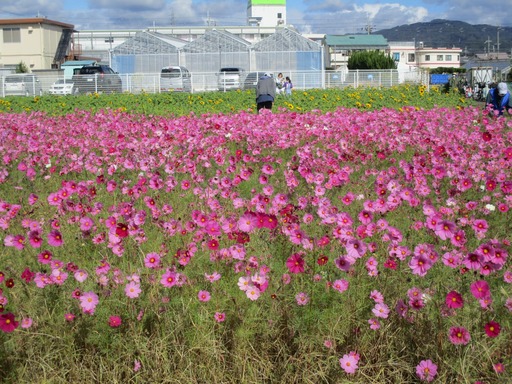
[{"x": 285, "y": 50}]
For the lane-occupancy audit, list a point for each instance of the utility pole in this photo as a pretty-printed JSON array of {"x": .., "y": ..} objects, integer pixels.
[
  {"x": 498, "y": 39},
  {"x": 488, "y": 42},
  {"x": 368, "y": 27}
]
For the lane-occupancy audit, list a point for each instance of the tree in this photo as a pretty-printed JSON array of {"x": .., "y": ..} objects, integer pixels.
[
  {"x": 370, "y": 60},
  {"x": 21, "y": 68}
]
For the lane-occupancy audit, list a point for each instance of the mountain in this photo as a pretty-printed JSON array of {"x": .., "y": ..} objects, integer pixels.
[{"x": 473, "y": 39}]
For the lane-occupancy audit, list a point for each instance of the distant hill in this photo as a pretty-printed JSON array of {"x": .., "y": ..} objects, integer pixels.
[{"x": 447, "y": 33}]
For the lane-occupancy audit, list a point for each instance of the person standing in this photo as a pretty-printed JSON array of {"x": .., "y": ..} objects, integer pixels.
[
  {"x": 265, "y": 92},
  {"x": 499, "y": 98},
  {"x": 288, "y": 87},
  {"x": 280, "y": 84}
]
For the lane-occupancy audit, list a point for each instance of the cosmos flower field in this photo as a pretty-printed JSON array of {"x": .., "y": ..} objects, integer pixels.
[{"x": 346, "y": 246}]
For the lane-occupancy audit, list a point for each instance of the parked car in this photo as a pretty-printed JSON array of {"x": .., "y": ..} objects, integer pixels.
[
  {"x": 251, "y": 80},
  {"x": 175, "y": 79},
  {"x": 22, "y": 84},
  {"x": 229, "y": 78},
  {"x": 61, "y": 87},
  {"x": 96, "y": 78}
]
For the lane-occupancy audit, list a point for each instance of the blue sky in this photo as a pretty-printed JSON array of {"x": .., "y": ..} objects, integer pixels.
[{"x": 308, "y": 16}]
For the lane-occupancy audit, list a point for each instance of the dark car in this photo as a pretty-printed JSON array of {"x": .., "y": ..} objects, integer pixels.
[
  {"x": 96, "y": 78},
  {"x": 251, "y": 80}
]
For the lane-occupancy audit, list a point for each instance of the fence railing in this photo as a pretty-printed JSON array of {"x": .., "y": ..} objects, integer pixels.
[{"x": 208, "y": 81}]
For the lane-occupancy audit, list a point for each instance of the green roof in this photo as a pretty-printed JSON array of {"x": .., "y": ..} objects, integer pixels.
[
  {"x": 267, "y": 2},
  {"x": 356, "y": 41}
]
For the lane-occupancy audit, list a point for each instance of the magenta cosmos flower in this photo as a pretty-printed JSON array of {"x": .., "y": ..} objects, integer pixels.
[
  {"x": 492, "y": 329},
  {"x": 295, "y": 263},
  {"x": 55, "y": 238},
  {"x": 114, "y": 321},
  {"x": 426, "y": 370},
  {"x": 480, "y": 289},
  {"x": 454, "y": 300},
  {"x": 8, "y": 322},
  {"x": 459, "y": 335}
]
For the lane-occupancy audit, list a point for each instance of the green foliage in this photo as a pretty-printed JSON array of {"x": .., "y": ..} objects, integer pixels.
[
  {"x": 371, "y": 60},
  {"x": 197, "y": 104},
  {"x": 450, "y": 70},
  {"x": 21, "y": 67}
]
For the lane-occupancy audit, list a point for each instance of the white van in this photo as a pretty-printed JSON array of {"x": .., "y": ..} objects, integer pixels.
[
  {"x": 175, "y": 79},
  {"x": 230, "y": 78},
  {"x": 22, "y": 84}
]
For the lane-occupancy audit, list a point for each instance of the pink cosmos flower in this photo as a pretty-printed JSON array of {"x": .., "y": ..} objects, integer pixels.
[
  {"x": 55, "y": 238},
  {"x": 26, "y": 322},
  {"x": 211, "y": 277},
  {"x": 340, "y": 285},
  {"x": 252, "y": 292},
  {"x": 349, "y": 362},
  {"x": 374, "y": 324},
  {"x": 86, "y": 223},
  {"x": 445, "y": 229},
  {"x": 132, "y": 289},
  {"x": 69, "y": 317},
  {"x": 420, "y": 264},
  {"x": 247, "y": 222},
  {"x": 204, "y": 296},
  {"x": 152, "y": 260},
  {"x": 219, "y": 317},
  {"x": 459, "y": 335},
  {"x": 169, "y": 279},
  {"x": 32, "y": 199},
  {"x": 426, "y": 370},
  {"x": 302, "y": 298},
  {"x": 376, "y": 296},
  {"x": 498, "y": 368},
  {"x": 480, "y": 226},
  {"x": 381, "y": 310},
  {"x": 80, "y": 275},
  {"x": 88, "y": 302}
]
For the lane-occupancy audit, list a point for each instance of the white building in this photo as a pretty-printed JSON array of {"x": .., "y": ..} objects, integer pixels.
[{"x": 266, "y": 13}]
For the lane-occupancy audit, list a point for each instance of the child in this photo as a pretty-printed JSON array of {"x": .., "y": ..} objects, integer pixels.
[{"x": 288, "y": 87}]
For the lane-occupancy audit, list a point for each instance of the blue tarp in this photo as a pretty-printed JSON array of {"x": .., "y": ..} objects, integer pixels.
[{"x": 440, "y": 79}]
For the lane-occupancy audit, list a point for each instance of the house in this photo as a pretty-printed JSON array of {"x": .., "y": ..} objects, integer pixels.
[
  {"x": 437, "y": 57},
  {"x": 39, "y": 43},
  {"x": 338, "y": 48}
]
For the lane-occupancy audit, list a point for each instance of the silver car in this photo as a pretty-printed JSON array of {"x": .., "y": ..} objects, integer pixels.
[{"x": 22, "y": 84}]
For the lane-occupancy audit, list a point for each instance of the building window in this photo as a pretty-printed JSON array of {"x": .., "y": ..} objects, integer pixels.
[
  {"x": 279, "y": 15},
  {"x": 439, "y": 57},
  {"x": 396, "y": 56},
  {"x": 427, "y": 57},
  {"x": 411, "y": 57},
  {"x": 448, "y": 57},
  {"x": 12, "y": 35}
]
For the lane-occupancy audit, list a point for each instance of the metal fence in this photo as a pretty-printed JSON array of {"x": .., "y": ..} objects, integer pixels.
[{"x": 208, "y": 81}]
